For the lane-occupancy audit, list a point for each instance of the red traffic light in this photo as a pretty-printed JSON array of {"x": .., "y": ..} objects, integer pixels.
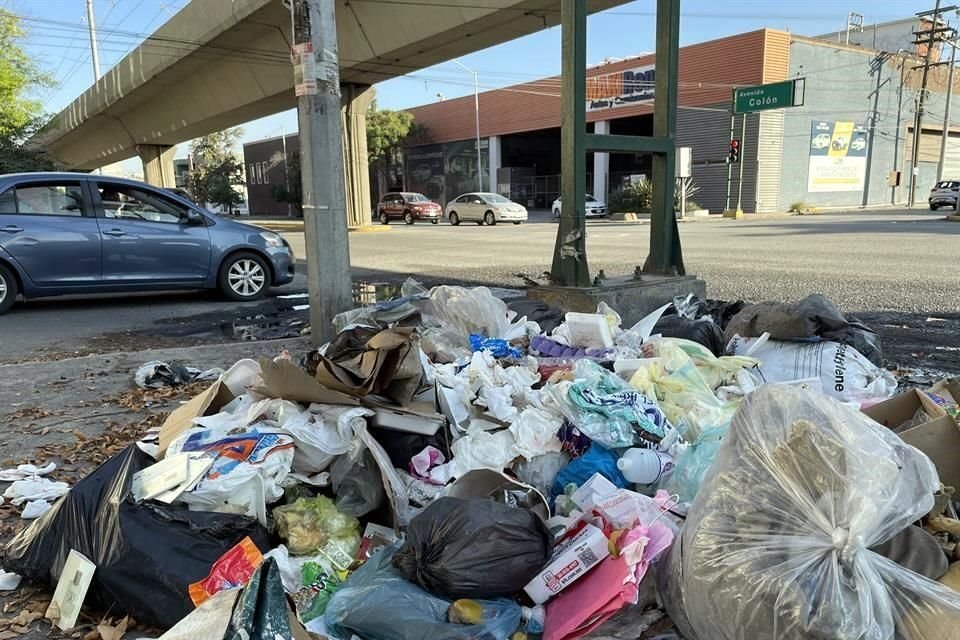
[{"x": 734, "y": 144}]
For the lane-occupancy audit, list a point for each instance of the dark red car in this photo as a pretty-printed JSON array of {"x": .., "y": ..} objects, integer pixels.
[{"x": 408, "y": 207}]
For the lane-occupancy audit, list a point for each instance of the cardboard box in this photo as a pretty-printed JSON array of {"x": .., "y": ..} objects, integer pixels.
[
  {"x": 902, "y": 407},
  {"x": 571, "y": 560},
  {"x": 939, "y": 438},
  {"x": 180, "y": 419}
]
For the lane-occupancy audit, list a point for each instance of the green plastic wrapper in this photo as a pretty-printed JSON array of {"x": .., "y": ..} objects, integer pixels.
[{"x": 313, "y": 525}]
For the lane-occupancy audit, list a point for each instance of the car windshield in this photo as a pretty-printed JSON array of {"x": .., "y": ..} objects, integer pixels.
[
  {"x": 416, "y": 197},
  {"x": 948, "y": 184},
  {"x": 495, "y": 198}
]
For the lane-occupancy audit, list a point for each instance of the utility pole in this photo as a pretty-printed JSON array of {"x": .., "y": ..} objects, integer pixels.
[
  {"x": 476, "y": 109},
  {"x": 946, "y": 110},
  {"x": 317, "y": 85},
  {"x": 94, "y": 54},
  {"x": 932, "y": 35}
]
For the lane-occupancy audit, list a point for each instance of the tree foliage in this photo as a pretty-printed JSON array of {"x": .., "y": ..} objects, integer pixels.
[
  {"x": 386, "y": 131},
  {"x": 21, "y": 116},
  {"x": 216, "y": 169},
  {"x": 293, "y": 195}
]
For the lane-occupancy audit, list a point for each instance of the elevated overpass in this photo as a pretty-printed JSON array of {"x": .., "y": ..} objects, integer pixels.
[{"x": 220, "y": 63}]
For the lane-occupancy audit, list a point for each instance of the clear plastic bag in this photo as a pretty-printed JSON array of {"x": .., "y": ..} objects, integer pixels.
[
  {"x": 777, "y": 543},
  {"x": 376, "y": 603},
  {"x": 314, "y": 525}
]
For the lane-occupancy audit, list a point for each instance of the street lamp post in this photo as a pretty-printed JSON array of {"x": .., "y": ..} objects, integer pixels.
[{"x": 476, "y": 108}]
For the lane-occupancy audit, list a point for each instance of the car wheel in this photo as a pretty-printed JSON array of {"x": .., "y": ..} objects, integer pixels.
[
  {"x": 489, "y": 218},
  {"x": 244, "y": 276},
  {"x": 408, "y": 217},
  {"x": 434, "y": 221},
  {"x": 454, "y": 218},
  {"x": 8, "y": 289},
  {"x": 934, "y": 207},
  {"x": 516, "y": 223},
  {"x": 384, "y": 219}
]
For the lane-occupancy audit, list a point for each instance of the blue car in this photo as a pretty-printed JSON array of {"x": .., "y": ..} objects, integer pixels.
[{"x": 72, "y": 233}]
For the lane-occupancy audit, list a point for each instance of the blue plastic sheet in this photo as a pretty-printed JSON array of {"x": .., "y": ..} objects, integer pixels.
[{"x": 499, "y": 347}]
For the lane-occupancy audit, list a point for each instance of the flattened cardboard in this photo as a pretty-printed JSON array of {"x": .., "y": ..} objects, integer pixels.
[
  {"x": 180, "y": 419},
  {"x": 283, "y": 379}
]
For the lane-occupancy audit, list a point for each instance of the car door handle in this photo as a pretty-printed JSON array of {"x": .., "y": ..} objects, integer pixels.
[
  {"x": 114, "y": 232},
  {"x": 12, "y": 229}
]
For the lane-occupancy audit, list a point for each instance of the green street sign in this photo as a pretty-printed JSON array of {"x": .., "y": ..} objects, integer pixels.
[{"x": 769, "y": 96}]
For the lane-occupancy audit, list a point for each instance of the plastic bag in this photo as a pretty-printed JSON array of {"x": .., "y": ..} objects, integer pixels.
[
  {"x": 845, "y": 374},
  {"x": 377, "y": 603},
  {"x": 607, "y": 409},
  {"x": 691, "y": 466},
  {"x": 703, "y": 332},
  {"x": 541, "y": 471},
  {"x": 156, "y": 374},
  {"x": 777, "y": 543},
  {"x": 467, "y": 311},
  {"x": 323, "y": 433},
  {"x": 314, "y": 525},
  {"x": 474, "y": 548},
  {"x": 499, "y": 347},
  {"x": 357, "y": 482},
  {"x": 597, "y": 459},
  {"x": 310, "y": 580},
  {"x": 246, "y": 474},
  {"x": 813, "y": 318},
  {"x": 146, "y": 554},
  {"x": 232, "y": 570}
]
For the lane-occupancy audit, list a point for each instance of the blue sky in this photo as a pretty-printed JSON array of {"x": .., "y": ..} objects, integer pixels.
[{"x": 624, "y": 31}]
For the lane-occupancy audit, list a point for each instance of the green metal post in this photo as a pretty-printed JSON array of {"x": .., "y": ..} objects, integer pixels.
[
  {"x": 666, "y": 256},
  {"x": 570, "y": 253}
]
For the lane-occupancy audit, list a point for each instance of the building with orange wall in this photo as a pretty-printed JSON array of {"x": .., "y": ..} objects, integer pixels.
[{"x": 861, "y": 98}]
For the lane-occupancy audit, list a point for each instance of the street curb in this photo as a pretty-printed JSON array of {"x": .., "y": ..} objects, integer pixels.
[{"x": 295, "y": 227}]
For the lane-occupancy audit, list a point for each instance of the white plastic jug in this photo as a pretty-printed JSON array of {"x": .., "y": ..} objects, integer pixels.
[{"x": 644, "y": 466}]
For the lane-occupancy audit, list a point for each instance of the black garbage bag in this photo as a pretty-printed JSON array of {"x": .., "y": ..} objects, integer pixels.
[
  {"x": 693, "y": 308},
  {"x": 146, "y": 555},
  {"x": 358, "y": 484},
  {"x": 549, "y": 318},
  {"x": 703, "y": 331},
  {"x": 813, "y": 317},
  {"x": 474, "y": 548},
  {"x": 402, "y": 446}
]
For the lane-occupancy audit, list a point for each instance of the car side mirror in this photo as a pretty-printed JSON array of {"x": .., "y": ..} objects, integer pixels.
[{"x": 194, "y": 218}]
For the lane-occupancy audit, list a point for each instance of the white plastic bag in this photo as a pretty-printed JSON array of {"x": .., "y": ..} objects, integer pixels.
[
  {"x": 323, "y": 433},
  {"x": 777, "y": 542},
  {"x": 844, "y": 372}
]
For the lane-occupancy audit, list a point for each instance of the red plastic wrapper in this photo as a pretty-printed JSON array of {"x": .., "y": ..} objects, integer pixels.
[{"x": 233, "y": 569}]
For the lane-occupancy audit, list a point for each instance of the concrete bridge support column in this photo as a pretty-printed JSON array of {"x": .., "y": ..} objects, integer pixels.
[
  {"x": 355, "y": 100},
  {"x": 158, "y": 164}
]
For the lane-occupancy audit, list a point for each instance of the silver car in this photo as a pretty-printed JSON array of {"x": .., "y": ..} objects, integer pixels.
[
  {"x": 485, "y": 208},
  {"x": 944, "y": 194}
]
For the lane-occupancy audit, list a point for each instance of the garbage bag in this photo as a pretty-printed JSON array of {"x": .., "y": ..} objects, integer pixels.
[
  {"x": 377, "y": 603},
  {"x": 813, "y": 317},
  {"x": 842, "y": 370},
  {"x": 156, "y": 374},
  {"x": 467, "y": 311},
  {"x": 474, "y": 548},
  {"x": 261, "y": 611},
  {"x": 147, "y": 555},
  {"x": 549, "y": 318},
  {"x": 314, "y": 525},
  {"x": 704, "y": 332},
  {"x": 778, "y": 542},
  {"x": 358, "y": 483}
]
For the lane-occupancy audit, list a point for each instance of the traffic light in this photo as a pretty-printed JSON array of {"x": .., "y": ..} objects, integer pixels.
[{"x": 734, "y": 155}]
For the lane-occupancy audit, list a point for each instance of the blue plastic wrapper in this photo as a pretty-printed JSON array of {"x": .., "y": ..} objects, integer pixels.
[
  {"x": 376, "y": 603},
  {"x": 597, "y": 459},
  {"x": 499, "y": 347}
]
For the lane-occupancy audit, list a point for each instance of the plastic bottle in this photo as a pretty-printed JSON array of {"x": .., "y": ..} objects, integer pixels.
[{"x": 644, "y": 466}]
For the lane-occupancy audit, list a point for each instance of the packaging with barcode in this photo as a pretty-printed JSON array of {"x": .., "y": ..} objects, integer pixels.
[{"x": 571, "y": 560}]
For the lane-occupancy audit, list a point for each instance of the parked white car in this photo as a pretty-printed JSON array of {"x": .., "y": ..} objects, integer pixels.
[
  {"x": 594, "y": 208},
  {"x": 821, "y": 141},
  {"x": 485, "y": 208}
]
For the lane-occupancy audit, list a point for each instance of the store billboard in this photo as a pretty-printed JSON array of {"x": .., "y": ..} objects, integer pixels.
[
  {"x": 620, "y": 89},
  {"x": 838, "y": 157}
]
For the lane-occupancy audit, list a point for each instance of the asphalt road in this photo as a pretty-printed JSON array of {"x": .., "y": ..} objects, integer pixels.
[{"x": 896, "y": 267}]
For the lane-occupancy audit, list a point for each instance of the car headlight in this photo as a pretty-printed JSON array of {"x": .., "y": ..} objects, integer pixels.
[{"x": 272, "y": 239}]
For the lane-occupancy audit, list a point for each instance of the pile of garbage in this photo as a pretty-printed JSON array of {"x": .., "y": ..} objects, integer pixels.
[{"x": 449, "y": 468}]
